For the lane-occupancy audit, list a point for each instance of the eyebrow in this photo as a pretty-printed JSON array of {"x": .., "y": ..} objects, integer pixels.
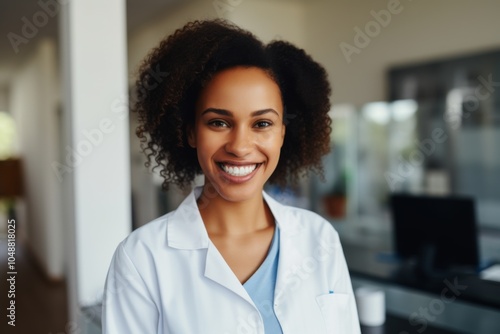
[{"x": 224, "y": 112}]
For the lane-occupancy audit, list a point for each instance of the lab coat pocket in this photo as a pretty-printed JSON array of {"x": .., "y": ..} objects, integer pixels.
[{"x": 336, "y": 311}]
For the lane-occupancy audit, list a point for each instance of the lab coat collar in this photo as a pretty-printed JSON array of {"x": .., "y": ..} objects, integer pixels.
[{"x": 187, "y": 231}]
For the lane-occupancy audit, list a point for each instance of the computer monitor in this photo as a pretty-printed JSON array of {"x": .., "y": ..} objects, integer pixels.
[{"x": 439, "y": 232}]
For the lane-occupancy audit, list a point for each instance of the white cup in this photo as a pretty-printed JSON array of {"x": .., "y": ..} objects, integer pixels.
[{"x": 371, "y": 306}]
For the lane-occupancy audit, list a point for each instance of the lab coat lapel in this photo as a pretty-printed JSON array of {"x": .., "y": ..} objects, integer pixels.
[
  {"x": 187, "y": 231},
  {"x": 219, "y": 271},
  {"x": 286, "y": 262},
  {"x": 288, "y": 259}
]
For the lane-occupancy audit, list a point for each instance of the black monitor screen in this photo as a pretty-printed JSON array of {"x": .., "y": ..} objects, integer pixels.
[{"x": 442, "y": 226}]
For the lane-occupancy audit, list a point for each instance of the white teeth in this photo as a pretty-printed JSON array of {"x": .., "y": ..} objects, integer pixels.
[{"x": 239, "y": 171}]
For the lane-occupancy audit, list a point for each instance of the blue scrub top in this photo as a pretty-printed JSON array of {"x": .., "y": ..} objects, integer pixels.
[{"x": 260, "y": 287}]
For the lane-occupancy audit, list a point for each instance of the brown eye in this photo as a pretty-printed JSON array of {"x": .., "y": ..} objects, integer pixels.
[
  {"x": 218, "y": 124},
  {"x": 263, "y": 124}
]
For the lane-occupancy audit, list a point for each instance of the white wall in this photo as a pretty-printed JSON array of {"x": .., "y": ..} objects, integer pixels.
[
  {"x": 33, "y": 103},
  {"x": 270, "y": 20},
  {"x": 423, "y": 30},
  {"x": 97, "y": 184}
]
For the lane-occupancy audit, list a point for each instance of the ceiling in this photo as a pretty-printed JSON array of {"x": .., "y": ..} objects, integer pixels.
[{"x": 13, "y": 12}]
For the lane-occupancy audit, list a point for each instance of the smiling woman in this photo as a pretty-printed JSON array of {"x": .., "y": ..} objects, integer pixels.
[
  {"x": 238, "y": 132},
  {"x": 230, "y": 259}
]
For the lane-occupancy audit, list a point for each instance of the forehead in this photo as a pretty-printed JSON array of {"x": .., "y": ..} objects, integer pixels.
[{"x": 241, "y": 89}]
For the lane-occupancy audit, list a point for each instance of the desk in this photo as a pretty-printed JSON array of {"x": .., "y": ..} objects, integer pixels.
[
  {"x": 366, "y": 263},
  {"x": 474, "y": 309},
  {"x": 395, "y": 325}
]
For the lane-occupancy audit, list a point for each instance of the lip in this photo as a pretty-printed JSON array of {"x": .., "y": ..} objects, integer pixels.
[
  {"x": 237, "y": 179},
  {"x": 238, "y": 163}
]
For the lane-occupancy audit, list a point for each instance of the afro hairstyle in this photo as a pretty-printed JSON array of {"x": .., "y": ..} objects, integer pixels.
[{"x": 172, "y": 76}]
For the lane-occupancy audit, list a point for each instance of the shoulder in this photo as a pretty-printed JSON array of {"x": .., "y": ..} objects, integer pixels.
[
  {"x": 148, "y": 238},
  {"x": 302, "y": 221},
  {"x": 312, "y": 221}
]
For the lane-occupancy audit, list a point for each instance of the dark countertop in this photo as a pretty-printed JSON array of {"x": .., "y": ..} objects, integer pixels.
[
  {"x": 397, "y": 325},
  {"x": 379, "y": 266}
]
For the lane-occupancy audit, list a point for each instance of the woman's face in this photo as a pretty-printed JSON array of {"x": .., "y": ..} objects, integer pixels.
[{"x": 238, "y": 132}]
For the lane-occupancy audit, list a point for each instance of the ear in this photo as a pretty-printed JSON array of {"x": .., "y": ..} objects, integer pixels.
[{"x": 191, "y": 136}]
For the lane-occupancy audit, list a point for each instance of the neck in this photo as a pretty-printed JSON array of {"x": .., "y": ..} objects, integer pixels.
[{"x": 222, "y": 217}]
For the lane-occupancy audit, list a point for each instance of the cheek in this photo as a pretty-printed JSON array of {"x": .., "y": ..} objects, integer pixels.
[
  {"x": 271, "y": 139},
  {"x": 204, "y": 158},
  {"x": 201, "y": 135},
  {"x": 207, "y": 144},
  {"x": 271, "y": 143}
]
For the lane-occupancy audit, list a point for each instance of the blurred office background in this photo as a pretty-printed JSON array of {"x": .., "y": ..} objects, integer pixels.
[{"x": 416, "y": 109}]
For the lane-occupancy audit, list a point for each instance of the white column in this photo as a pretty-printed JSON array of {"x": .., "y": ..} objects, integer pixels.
[{"x": 95, "y": 169}]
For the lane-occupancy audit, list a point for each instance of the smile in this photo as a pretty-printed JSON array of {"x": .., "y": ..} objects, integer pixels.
[{"x": 238, "y": 170}]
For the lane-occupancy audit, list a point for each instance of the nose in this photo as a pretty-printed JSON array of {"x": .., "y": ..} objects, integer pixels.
[{"x": 240, "y": 142}]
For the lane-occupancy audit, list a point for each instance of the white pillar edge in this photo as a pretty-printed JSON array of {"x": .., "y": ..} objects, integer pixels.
[{"x": 97, "y": 201}]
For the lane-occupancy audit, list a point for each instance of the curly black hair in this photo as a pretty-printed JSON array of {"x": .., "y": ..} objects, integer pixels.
[{"x": 172, "y": 76}]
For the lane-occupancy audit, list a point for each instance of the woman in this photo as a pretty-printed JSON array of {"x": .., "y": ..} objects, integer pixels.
[{"x": 230, "y": 259}]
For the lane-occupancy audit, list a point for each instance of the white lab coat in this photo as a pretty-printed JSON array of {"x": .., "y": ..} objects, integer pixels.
[{"x": 168, "y": 277}]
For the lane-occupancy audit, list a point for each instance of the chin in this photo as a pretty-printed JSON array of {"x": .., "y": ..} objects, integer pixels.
[
  {"x": 234, "y": 192},
  {"x": 239, "y": 193}
]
